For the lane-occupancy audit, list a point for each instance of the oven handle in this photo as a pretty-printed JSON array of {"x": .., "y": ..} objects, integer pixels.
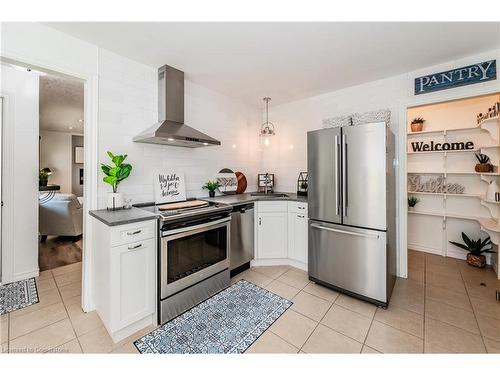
[{"x": 166, "y": 233}]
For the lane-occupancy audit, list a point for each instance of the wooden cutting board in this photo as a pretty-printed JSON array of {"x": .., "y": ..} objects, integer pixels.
[{"x": 181, "y": 205}]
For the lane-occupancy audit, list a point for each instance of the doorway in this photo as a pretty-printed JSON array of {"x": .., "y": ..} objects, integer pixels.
[{"x": 61, "y": 171}]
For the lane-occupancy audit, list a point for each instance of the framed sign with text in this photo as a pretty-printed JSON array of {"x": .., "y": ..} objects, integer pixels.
[
  {"x": 467, "y": 75},
  {"x": 169, "y": 187}
]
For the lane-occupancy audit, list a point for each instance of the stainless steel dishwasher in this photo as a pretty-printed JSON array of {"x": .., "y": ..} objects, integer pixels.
[{"x": 242, "y": 237}]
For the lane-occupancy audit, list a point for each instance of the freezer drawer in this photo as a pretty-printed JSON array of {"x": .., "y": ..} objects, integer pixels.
[{"x": 350, "y": 259}]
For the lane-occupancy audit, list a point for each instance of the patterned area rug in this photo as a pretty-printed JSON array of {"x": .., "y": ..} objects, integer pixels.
[
  {"x": 17, "y": 295},
  {"x": 228, "y": 322}
]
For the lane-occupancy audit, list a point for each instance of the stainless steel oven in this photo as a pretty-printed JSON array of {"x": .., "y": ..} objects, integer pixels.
[{"x": 194, "y": 262}]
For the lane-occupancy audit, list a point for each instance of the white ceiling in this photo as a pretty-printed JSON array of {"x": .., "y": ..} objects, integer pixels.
[
  {"x": 287, "y": 61},
  {"x": 61, "y": 104}
]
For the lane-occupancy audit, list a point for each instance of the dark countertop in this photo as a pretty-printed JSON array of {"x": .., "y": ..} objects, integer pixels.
[
  {"x": 133, "y": 215},
  {"x": 124, "y": 216},
  {"x": 247, "y": 198}
]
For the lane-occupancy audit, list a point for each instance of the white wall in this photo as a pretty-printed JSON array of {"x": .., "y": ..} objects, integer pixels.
[
  {"x": 55, "y": 153},
  {"x": 128, "y": 105},
  {"x": 19, "y": 175}
]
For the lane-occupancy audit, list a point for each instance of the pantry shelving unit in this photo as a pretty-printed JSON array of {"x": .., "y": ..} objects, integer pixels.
[{"x": 440, "y": 217}]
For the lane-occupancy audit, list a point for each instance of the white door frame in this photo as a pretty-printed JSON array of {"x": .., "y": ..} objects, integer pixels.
[
  {"x": 91, "y": 169},
  {"x": 439, "y": 97}
]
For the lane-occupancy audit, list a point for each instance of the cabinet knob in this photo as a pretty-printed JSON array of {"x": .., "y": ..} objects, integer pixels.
[{"x": 260, "y": 221}]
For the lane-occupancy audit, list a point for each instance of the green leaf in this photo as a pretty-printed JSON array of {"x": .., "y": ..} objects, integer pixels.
[
  {"x": 111, "y": 156},
  {"x": 462, "y": 246},
  {"x": 111, "y": 180},
  {"x": 105, "y": 168}
]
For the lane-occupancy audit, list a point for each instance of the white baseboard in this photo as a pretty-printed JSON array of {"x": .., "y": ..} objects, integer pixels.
[
  {"x": 430, "y": 250},
  {"x": 131, "y": 329},
  {"x": 278, "y": 262},
  {"x": 23, "y": 276}
]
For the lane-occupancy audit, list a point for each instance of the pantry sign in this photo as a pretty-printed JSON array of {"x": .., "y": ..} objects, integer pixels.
[{"x": 468, "y": 75}]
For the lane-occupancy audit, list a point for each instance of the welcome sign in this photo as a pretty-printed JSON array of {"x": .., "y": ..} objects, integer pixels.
[
  {"x": 437, "y": 146},
  {"x": 468, "y": 75}
]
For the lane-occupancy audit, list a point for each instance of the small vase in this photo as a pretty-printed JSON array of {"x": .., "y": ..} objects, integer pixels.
[
  {"x": 115, "y": 201},
  {"x": 492, "y": 189},
  {"x": 43, "y": 182},
  {"x": 484, "y": 168},
  {"x": 417, "y": 127},
  {"x": 211, "y": 194},
  {"x": 476, "y": 260},
  {"x": 411, "y": 208}
]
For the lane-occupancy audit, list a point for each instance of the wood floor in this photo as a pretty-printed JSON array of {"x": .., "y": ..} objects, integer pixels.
[{"x": 59, "y": 251}]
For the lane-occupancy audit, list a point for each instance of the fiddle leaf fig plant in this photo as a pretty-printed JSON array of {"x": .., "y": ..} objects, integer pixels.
[{"x": 117, "y": 173}]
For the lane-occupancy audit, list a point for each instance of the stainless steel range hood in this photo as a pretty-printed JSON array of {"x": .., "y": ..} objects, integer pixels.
[{"x": 170, "y": 128}]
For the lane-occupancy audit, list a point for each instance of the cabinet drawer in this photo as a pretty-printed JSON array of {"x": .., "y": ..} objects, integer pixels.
[
  {"x": 274, "y": 206},
  {"x": 297, "y": 207},
  {"x": 128, "y": 233}
]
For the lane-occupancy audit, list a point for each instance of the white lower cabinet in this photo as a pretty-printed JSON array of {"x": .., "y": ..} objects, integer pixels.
[
  {"x": 281, "y": 234},
  {"x": 271, "y": 235},
  {"x": 297, "y": 237},
  {"x": 124, "y": 276}
]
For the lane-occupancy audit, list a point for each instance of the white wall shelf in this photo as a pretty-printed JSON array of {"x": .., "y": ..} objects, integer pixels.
[
  {"x": 466, "y": 195},
  {"x": 459, "y": 173},
  {"x": 486, "y": 125}
]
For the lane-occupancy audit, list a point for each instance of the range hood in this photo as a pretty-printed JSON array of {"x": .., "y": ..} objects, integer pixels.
[{"x": 170, "y": 128}]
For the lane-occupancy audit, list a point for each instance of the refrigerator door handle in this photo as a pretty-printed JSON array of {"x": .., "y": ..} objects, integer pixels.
[
  {"x": 369, "y": 235},
  {"x": 345, "y": 202},
  {"x": 337, "y": 175}
]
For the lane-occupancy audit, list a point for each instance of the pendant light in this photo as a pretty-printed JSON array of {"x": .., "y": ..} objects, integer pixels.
[{"x": 267, "y": 128}]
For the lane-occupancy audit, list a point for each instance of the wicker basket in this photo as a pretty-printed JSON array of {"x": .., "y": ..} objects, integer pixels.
[
  {"x": 476, "y": 260},
  {"x": 417, "y": 127},
  {"x": 484, "y": 168}
]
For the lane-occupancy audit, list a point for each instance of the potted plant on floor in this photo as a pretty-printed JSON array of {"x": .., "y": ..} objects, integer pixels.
[
  {"x": 484, "y": 165},
  {"x": 114, "y": 175},
  {"x": 211, "y": 186},
  {"x": 417, "y": 124},
  {"x": 412, "y": 201},
  {"x": 476, "y": 249}
]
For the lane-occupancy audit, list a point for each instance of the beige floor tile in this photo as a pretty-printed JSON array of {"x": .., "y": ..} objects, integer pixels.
[
  {"x": 137, "y": 335},
  {"x": 347, "y": 322},
  {"x": 44, "y": 339},
  {"x": 127, "y": 348},
  {"x": 4, "y": 348},
  {"x": 326, "y": 340},
  {"x": 367, "y": 350},
  {"x": 295, "y": 278},
  {"x": 270, "y": 343},
  {"x": 45, "y": 284},
  {"x": 293, "y": 328},
  {"x": 74, "y": 267},
  {"x": 448, "y": 297},
  {"x": 85, "y": 322},
  {"x": 442, "y": 260},
  {"x": 35, "y": 320},
  {"x": 271, "y": 271},
  {"x": 416, "y": 259},
  {"x": 452, "y": 315},
  {"x": 45, "y": 275},
  {"x": 435, "y": 349},
  {"x": 490, "y": 327},
  {"x": 408, "y": 294},
  {"x": 416, "y": 274},
  {"x": 68, "y": 278},
  {"x": 282, "y": 289},
  {"x": 473, "y": 274},
  {"x": 387, "y": 339},
  {"x": 442, "y": 335},
  {"x": 404, "y": 320},
  {"x": 46, "y": 297},
  {"x": 356, "y": 305},
  {"x": 4, "y": 328},
  {"x": 311, "y": 306},
  {"x": 492, "y": 346},
  {"x": 321, "y": 291},
  {"x": 256, "y": 278},
  {"x": 72, "y": 347},
  {"x": 445, "y": 281},
  {"x": 97, "y": 341},
  {"x": 70, "y": 290},
  {"x": 486, "y": 307},
  {"x": 444, "y": 270},
  {"x": 487, "y": 292}
]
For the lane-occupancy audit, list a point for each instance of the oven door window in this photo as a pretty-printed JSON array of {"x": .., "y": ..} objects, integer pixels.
[{"x": 194, "y": 252}]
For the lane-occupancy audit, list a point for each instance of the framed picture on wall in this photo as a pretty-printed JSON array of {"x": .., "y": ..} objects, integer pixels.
[{"x": 79, "y": 155}]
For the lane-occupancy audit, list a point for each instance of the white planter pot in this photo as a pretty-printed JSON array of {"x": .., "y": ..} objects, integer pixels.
[{"x": 115, "y": 201}]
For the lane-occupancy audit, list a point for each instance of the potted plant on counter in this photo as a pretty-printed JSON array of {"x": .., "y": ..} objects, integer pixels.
[
  {"x": 211, "y": 186},
  {"x": 114, "y": 175},
  {"x": 412, "y": 201},
  {"x": 417, "y": 124},
  {"x": 476, "y": 249},
  {"x": 484, "y": 165}
]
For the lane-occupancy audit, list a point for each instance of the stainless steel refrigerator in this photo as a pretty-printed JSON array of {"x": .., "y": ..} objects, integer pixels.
[{"x": 352, "y": 215}]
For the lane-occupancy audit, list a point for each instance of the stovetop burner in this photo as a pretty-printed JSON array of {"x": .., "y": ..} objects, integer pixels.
[{"x": 168, "y": 215}]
